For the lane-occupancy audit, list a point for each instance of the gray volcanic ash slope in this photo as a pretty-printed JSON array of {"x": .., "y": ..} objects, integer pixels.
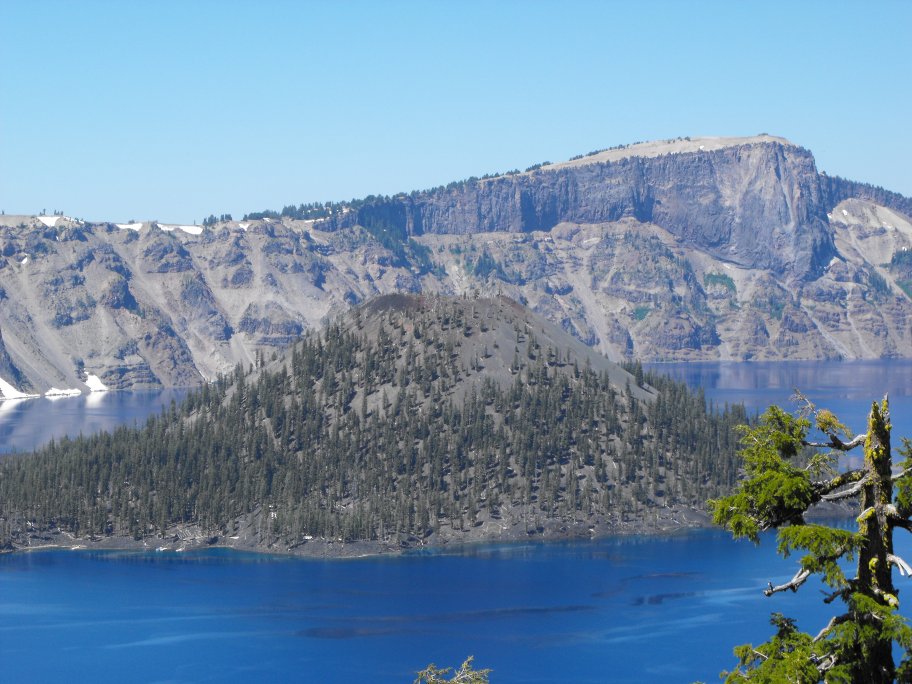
[
  {"x": 411, "y": 420},
  {"x": 712, "y": 248}
]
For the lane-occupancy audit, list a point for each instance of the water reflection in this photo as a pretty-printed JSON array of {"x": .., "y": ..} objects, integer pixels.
[
  {"x": 26, "y": 424},
  {"x": 846, "y": 388},
  {"x": 829, "y": 379}
]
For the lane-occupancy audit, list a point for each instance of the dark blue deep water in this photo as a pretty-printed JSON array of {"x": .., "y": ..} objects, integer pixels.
[
  {"x": 620, "y": 610},
  {"x": 616, "y": 610}
]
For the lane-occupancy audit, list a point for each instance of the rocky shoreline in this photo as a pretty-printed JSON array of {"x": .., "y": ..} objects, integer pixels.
[
  {"x": 191, "y": 538},
  {"x": 663, "y": 521}
]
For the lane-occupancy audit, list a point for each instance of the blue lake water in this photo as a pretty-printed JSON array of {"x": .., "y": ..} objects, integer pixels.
[
  {"x": 615, "y": 610},
  {"x": 28, "y": 423}
]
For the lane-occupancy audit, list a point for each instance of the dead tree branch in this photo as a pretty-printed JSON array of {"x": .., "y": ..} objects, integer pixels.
[
  {"x": 904, "y": 569},
  {"x": 793, "y": 584},
  {"x": 835, "y": 620},
  {"x": 838, "y": 444}
]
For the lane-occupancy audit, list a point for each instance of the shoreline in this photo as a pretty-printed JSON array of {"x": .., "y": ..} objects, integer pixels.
[
  {"x": 183, "y": 538},
  {"x": 190, "y": 538}
]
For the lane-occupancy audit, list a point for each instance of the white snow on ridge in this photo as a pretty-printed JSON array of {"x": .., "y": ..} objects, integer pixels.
[
  {"x": 129, "y": 226},
  {"x": 7, "y": 391},
  {"x": 193, "y": 230},
  {"x": 55, "y": 392},
  {"x": 24, "y": 261},
  {"x": 243, "y": 225},
  {"x": 49, "y": 221},
  {"x": 95, "y": 384}
]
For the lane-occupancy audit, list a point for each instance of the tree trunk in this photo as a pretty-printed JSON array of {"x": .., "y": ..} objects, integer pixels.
[{"x": 875, "y": 578}]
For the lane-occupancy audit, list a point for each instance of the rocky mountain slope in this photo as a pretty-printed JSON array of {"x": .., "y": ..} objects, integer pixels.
[
  {"x": 412, "y": 420},
  {"x": 713, "y": 248}
]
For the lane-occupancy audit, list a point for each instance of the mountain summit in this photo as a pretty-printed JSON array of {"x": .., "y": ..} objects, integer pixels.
[{"x": 704, "y": 248}]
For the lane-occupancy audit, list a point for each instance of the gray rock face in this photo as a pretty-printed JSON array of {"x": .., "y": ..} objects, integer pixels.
[
  {"x": 9, "y": 371},
  {"x": 758, "y": 205},
  {"x": 704, "y": 249}
]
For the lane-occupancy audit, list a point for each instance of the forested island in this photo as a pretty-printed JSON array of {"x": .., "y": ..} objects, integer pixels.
[{"x": 411, "y": 420}]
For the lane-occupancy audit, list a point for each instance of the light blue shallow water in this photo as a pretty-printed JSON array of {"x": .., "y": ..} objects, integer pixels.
[{"x": 617, "y": 610}]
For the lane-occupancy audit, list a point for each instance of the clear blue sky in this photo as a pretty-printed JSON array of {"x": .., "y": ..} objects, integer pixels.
[{"x": 175, "y": 110}]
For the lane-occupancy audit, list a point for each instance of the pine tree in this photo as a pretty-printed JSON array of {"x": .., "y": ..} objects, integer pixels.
[{"x": 782, "y": 466}]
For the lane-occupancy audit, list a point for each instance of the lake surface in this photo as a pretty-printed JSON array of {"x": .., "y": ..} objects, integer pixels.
[
  {"x": 28, "y": 423},
  {"x": 616, "y": 610},
  {"x": 621, "y": 610}
]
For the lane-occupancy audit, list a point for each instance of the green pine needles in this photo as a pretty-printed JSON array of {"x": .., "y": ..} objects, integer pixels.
[{"x": 786, "y": 474}]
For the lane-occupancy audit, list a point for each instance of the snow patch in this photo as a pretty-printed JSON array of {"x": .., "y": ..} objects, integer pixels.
[
  {"x": 95, "y": 384},
  {"x": 49, "y": 221},
  {"x": 24, "y": 261},
  {"x": 845, "y": 213},
  {"x": 129, "y": 226},
  {"x": 7, "y": 391},
  {"x": 244, "y": 225},
  {"x": 193, "y": 230},
  {"x": 55, "y": 392}
]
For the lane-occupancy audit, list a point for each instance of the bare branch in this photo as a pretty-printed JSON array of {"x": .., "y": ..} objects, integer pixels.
[
  {"x": 904, "y": 569},
  {"x": 896, "y": 521},
  {"x": 793, "y": 584},
  {"x": 901, "y": 473},
  {"x": 825, "y": 487},
  {"x": 854, "y": 490},
  {"x": 839, "y": 593},
  {"x": 838, "y": 444},
  {"x": 835, "y": 620},
  {"x": 824, "y": 664}
]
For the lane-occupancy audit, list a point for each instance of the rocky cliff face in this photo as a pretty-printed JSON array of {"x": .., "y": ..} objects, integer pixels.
[
  {"x": 759, "y": 204},
  {"x": 687, "y": 249}
]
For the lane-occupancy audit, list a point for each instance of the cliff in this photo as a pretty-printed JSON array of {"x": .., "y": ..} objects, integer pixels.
[
  {"x": 734, "y": 202},
  {"x": 711, "y": 248}
]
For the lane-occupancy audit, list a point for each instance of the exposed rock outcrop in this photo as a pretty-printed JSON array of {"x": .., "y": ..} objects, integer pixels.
[{"x": 685, "y": 249}]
